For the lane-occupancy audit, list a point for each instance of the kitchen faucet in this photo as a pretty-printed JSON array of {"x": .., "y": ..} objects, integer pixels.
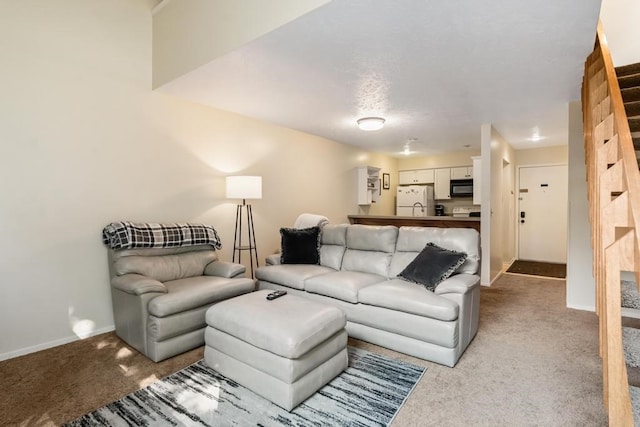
[{"x": 414, "y": 208}]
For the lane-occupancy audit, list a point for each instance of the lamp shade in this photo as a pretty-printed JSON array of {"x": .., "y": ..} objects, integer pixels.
[{"x": 244, "y": 187}]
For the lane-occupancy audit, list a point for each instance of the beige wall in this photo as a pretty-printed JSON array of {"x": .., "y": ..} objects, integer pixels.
[
  {"x": 620, "y": 21},
  {"x": 498, "y": 171},
  {"x": 542, "y": 156},
  {"x": 445, "y": 160},
  {"x": 580, "y": 283},
  {"x": 215, "y": 28},
  {"x": 85, "y": 142}
]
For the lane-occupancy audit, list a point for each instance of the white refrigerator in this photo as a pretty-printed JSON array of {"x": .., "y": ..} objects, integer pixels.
[{"x": 414, "y": 200}]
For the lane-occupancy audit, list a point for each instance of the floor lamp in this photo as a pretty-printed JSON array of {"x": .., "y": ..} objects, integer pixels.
[{"x": 245, "y": 187}]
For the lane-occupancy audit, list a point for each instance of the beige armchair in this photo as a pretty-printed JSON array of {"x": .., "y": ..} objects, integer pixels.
[{"x": 160, "y": 295}]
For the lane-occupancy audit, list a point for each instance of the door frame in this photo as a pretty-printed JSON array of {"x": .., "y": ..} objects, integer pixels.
[
  {"x": 516, "y": 218},
  {"x": 513, "y": 203}
]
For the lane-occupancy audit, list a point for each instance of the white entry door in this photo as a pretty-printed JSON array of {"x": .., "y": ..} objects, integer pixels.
[{"x": 542, "y": 214}]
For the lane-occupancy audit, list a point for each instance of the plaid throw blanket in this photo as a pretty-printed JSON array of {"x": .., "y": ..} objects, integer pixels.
[{"x": 127, "y": 235}]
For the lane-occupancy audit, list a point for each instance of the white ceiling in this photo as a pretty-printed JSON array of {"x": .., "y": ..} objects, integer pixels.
[{"x": 436, "y": 70}]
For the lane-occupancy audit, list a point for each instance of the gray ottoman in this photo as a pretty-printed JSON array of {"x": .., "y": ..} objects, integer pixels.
[{"x": 284, "y": 350}]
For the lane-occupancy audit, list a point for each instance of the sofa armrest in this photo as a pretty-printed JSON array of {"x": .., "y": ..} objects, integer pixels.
[
  {"x": 273, "y": 259},
  {"x": 458, "y": 284},
  {"x": 224, "y": 269},
  {"x": 137, "y": 284}
]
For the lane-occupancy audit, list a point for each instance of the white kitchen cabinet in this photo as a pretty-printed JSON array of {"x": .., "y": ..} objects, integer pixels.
[
  {"x": 477, "y": 168},
  {"x": 420, "y": 176},
  {"x": 425, "y": 176},
  {"x": 465, "y": 172},
  {"x": 442, "y": 181},
  {"x": 368, "y": 185}
]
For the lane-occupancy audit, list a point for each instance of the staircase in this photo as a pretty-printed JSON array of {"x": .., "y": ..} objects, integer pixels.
[
  {"x": 611, "y": 117},
  {"x": 631, "y": 344},
  {"x": 629, "y": 81}
]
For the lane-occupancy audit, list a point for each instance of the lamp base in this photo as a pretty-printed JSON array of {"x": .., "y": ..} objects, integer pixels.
[{"x": 238, "y": 247}]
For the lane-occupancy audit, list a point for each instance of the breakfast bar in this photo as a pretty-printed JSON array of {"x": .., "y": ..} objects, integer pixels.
[{"x": 414, "y": 221}]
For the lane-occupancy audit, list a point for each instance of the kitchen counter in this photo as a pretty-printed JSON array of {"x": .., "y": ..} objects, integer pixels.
[{"x": 417, "y": 221}]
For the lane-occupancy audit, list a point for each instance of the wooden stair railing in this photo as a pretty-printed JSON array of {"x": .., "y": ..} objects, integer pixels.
[{"x": 614, "y": 202}]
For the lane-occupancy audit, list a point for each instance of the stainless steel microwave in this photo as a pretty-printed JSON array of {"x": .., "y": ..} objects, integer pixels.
[{"x": 462, "y": 188}]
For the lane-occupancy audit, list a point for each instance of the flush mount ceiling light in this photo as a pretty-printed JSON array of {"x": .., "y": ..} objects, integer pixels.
[
  {"x": 535, "y": 135},
  {"x": 370, "y": 123},
  {"x": 407, "y": 146}
]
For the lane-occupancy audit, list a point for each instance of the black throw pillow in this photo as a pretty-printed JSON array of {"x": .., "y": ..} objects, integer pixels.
[
  {"x": 433, "y": 265},
  {"x": 300, "y": 245}
]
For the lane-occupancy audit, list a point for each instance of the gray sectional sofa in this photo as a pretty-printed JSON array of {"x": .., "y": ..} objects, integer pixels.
[{"x": 358, "y": 273}]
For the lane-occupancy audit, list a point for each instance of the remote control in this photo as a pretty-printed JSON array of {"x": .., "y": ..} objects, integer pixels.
[{"x": 276, "y": 294}]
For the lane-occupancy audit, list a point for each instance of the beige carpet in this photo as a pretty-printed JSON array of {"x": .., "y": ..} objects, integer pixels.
[{"x": 533, "y": 363}]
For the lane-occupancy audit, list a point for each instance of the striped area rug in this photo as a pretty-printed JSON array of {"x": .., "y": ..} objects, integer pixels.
[{"x": 368, "y": 393}]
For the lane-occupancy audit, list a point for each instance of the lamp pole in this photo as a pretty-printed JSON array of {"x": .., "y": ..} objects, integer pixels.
[{"x": 245, "y": 187}]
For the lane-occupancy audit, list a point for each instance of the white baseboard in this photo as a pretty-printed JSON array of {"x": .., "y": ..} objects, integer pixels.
[
  {"x": 50, "y": 344},
  {"x": 506, "y": 265},
  {"x": 582, "y": 307},
  {"x": 496, "y": 278}
]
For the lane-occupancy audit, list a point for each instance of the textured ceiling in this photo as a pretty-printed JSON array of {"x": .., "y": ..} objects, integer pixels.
[{"x": 435, "y": 70}]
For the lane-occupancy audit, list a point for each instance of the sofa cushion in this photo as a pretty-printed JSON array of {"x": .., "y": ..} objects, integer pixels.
[
  {"x": 193, "y": 292},
  {"x": 411, "y": 240},
  {"x": 300, "y": 246},
  {"x": 334, "y": 234},
  {"x": 433, "y": 265},
  {"x": 333, "y": 240},
  {"x": 343, "y": 285},
  {"x": 289, "y": 326},
  {"x": 369, "y": 249},
  {"x": 165, "y": 267},
  {"x": 372, "y": 238},
  {"x": 332, "y": 256},
  {"x": 291, "y": 275},
  {"x": 366, "y": 262},
  {"x": 427, "y": 329},
  {"x": 410, "y": 298}
]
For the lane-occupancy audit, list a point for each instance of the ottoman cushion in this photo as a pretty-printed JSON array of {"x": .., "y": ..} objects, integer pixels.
[
  {"x": 283, "y": 394},
  {"x": 286, "y": 370},
  {"x": 289, "y": 326}
]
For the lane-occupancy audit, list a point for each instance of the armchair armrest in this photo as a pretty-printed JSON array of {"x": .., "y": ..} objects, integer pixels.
[
  {"x": 273, "y": 259},
  {"x": 137, "y": 284},
  {"x": 224, "y": 269},
  {"x": 458, "y": 284}
]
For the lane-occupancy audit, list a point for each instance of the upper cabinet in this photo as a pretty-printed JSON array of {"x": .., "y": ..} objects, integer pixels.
[
  {"x": 421, "y": 176},
  {"x": 465, "y": 172},
  {"x": 441, "y": 187},
  {"x": 441, "y": 179},
  {"x": 368, "y": 185}
]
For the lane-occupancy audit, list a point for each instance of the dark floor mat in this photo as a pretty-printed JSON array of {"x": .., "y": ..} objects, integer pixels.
[{"x": 535, "y": 268}]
